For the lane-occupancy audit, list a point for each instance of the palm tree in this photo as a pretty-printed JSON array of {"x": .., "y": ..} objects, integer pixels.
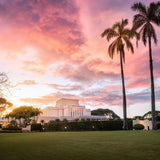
[
  {"x": 121, "y": 36},
  {"x": 144, "y": 20}
]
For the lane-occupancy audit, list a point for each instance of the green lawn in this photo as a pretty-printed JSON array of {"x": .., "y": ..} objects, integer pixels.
[{"x": 104, "y": 145}]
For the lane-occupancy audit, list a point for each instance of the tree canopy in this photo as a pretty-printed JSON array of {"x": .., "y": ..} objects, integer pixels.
[
  {"x": 148, "y": 115},
  {"x": 107, "y": 112},
  {"x": 144, "y": 20},
  {"x": 24, "y": 112},
  {"x": 4, "y": 105}
]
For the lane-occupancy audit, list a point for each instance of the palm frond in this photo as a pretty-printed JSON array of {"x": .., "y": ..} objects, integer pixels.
[
  {"x": 126, "y": 32},
  {"x": 139, "y": 17},
  {"x": 109, "y": 33},
  {"x": 145, "y": 34},
  {"x": 111, "y": 48},
  {"x": 117, "y": 27},
  {"x": 138, "y": 21},
  {"x": 118, "y": 31},
  {"x": 153, "y": 34},
  {"x": 140, "y": 8},
  {"x": 128, "y": 44},
  {"x": 154, "y": 13},
  {"x": 105, "y": 32},
  {"x": 124, "y": 23},
  {"x": 134, "y": 33}
]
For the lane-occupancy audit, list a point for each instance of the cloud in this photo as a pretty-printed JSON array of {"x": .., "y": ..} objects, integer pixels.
[
  {"x": 28, "y": 82},
  {"x": 47, "y": 99},
  {"x": 83, "y": 74},
  {"x": 143, "y": 96},
  {"x": 46, "y": 31},
  {"x": 65, "y": 87},
  {"x": 57, "y": 44}
]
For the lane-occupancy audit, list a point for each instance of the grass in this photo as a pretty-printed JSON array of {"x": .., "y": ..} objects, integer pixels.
[{"x": 104, "y": 145}]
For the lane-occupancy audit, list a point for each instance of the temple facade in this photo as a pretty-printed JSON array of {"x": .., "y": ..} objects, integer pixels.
[{"x": 65, "y": 108}]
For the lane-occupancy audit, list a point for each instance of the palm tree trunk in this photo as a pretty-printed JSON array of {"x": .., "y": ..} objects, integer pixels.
[
  {"x": 152, "y": 86},
  {"x": 125, "y": 126}
]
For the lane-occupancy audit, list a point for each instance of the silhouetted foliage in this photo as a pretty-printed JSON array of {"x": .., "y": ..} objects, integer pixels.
[
  {"x": 121, "y": 40},
  {"x": 87, "y": 126},
  {"x": 4, "y": 105},
  {"x": 107, "y": 112},
  {"x": 138, "y": 126},
  {"x": 138, "y": 117},
  {"x": 144, "y": 20},
  {"x": 36, "y": 127},
  {"x": 25, "y": 113},
  {"x": 148, "y": 115}
]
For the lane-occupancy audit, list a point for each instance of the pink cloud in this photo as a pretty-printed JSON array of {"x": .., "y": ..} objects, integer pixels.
[
  {"x": 62, "y": 39},
  {"x": 28, "y": 82}
]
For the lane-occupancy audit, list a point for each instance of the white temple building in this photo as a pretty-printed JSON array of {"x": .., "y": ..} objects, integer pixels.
[{"x": 65, "y": 108}]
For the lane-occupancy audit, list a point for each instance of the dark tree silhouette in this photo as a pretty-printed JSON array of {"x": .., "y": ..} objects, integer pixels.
[
  {"x": 4, "y": 105},
  {"x": 144, "y": 20},
  {"x": 121, "y": 36},
  {"x": 102, "y": 112}
]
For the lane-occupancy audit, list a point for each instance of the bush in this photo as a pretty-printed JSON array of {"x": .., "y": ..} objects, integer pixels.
[
  {"x": 42, "y": 121},
  {"x": 65, "y": 120},
  {"x": 57, "y": 120},
  {"x": 51, "y": 121},
  {"x": 158, "y": 125},
  {"x": 9, "y": 127},
  {"x": 36, "y": 127},
  {"x": 138, "y": 126},
  {"x": 10, "y": 131}
]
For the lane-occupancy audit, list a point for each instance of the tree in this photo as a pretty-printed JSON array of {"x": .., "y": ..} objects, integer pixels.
[
  {"x": 25, "y": 113},
  {"x": 102, "y": 112},
  {"x": 138, "y": 117},
  {"x": 148, "y": 115},
  {"x": 121, "y": 36},
  {"x": 144, "y": 20},
  {"x": 35, "y": 113},
  {"x": 4, "y": 105}
]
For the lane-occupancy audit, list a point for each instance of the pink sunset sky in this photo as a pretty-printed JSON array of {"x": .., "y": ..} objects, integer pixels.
[{"x": 52, "y": 49}]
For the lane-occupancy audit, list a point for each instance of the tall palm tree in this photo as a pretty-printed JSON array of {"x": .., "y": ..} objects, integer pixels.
[
  {"x": 144, "y": 20},
  {"x": 121, "y": 36}
]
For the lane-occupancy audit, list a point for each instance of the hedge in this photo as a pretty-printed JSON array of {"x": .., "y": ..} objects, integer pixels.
[
  {"x": 87, "y": 126},
  {"x": 12, "y": 128},
  {"x": 158, "y": 124},
  {"x": 10, "y": 131},
  {"x": 36, "y": 127}
]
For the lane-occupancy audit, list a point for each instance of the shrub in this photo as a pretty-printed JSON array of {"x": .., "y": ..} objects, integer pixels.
[
  {"x": 57, "y": 120},
  {"x": 76, "y": 120},
  {"x": 55, "y": 126},
  {"x": 138, "y": 126},
  {"x": 36, "y": 127},
  {"x": 9, "y": 127},
  {"x": 65, "y": 120},
  {"x": 158, "y": 125},
  {"x": 42, "y": 121},
  {"x": 10, "y": 131},
  {"x": 51, "y": 121}
]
